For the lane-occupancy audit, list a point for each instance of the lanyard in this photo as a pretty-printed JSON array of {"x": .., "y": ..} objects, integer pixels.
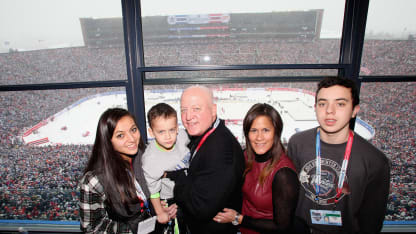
[
  {"x": 141, "y": 194},
  {"x": 139, "y": 190},
  {"x": 217, "y": 121},
  {"x": 344, "y": 166}
]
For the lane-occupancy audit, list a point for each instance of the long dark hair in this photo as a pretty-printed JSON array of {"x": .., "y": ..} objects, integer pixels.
[
  {"x": 108, "y": 164},
  {"x": 263, "y": 109}
]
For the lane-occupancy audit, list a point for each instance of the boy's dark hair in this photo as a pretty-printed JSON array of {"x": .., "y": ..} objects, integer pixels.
[
  {"x": 160, "y": 110},
  {"x": 347, "y": 83}
]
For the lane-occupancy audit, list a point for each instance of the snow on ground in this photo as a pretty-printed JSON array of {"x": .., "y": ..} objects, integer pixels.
[{"x": 76, "y": 124}]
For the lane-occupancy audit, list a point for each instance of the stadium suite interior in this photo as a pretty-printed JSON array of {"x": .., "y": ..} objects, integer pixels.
[{"x": 131, "y": 47}]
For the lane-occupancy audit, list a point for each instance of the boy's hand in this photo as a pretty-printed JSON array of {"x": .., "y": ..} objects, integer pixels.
[
  {"x": 163, "y": 217},
  {"x": 160, "y": 207},
  {"x": 172, "y": 210}
]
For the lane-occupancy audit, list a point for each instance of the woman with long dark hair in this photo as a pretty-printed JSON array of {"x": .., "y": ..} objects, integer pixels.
[
  {"x": 270, "y": 188},
  {"x": 113, "y": 191}
]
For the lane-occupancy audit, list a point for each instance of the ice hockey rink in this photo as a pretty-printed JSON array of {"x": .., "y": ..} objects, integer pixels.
[{"x": 77, "y": 123}]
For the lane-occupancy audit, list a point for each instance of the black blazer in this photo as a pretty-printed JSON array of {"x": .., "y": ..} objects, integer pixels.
[{"x": 213, "y": 182}]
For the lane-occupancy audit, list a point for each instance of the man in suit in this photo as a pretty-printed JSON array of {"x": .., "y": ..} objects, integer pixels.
[{"x": 214, "y": 178}]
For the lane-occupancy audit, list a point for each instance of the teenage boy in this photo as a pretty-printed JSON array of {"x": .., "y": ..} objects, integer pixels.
[
  {"x": 344, "y": 179},
  {"x": 168, "y": 152}
]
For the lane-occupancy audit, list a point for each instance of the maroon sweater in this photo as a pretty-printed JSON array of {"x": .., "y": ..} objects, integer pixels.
[{"x": 257, "y": 199}]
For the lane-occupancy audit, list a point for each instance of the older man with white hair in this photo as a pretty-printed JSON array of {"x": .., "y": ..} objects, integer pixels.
[{"x": 214, "y": 178}]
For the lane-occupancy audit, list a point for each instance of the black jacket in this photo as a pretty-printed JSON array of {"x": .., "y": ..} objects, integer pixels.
[{"x": 213, "y": 182}]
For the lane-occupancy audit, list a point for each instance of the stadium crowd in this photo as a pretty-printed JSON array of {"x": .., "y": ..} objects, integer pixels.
[
  {"x": 390, "y": 108},
  {"x": 40, "y": 182}
]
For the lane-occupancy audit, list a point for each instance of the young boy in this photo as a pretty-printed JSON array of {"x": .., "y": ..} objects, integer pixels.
[
  {"x": 344, "y": 179},
  {"x": 168, "y": 152}
]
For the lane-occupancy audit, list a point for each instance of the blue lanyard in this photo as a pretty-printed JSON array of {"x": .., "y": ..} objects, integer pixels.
[
  {"x": 344, "y": 166},
  {"x": 318, "y": 165}
]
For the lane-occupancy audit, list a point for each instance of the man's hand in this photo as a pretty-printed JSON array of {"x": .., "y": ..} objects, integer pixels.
[
  {"x": 227, "y": 216},
  {"x": 173, "y": 175}
]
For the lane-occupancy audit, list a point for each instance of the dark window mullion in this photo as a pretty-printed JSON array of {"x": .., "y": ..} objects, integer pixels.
[{"x": 67, "y": 85}]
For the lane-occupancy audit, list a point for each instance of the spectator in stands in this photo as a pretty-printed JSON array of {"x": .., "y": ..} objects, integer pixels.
[
  {"x": 345, "y": 180},
  {"x": 270, "y": 189},
  {"x": 214, "y": 178},
  {"x": 113, "y": 191}
]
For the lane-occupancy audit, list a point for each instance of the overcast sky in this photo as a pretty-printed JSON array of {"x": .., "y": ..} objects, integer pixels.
[{"x": 31, "y": 24}]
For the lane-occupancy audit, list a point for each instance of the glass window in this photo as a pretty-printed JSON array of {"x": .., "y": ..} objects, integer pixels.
[
  {"x": 46, "y": 139},
  {"x": 389, "y": 109},
  {"x": 234, "y": 100},
  {"x": 294, "y": 101},
  {"x": 386, "y": 119},
  {"x": 390, "y": 39},
  {"x": 234, "y": 32},
  {"x": 61, "y": 41}
]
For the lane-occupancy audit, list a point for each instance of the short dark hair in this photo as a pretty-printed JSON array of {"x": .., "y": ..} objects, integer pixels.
[
  {"x": 347, "y": 83},
  {"x": 160, "y": 110}
]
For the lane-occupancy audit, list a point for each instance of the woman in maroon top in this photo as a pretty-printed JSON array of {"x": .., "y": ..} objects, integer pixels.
[{"x": 270, "y": 189}]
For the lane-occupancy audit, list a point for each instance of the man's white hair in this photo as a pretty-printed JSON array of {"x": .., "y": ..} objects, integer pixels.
[{"x": 203, "y": 88}]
